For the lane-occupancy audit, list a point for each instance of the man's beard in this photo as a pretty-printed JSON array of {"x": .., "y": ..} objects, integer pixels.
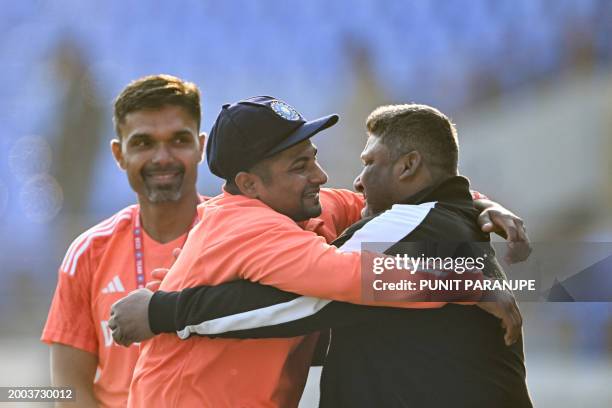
[
  {"x": 164, "y": 194},
  {"x": 170, "y": 191},
  {"x": 310, "y": 211}
]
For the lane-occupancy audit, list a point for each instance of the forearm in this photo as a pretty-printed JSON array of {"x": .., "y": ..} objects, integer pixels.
[
  {"x": 174, "y": 311},
  {"x": 243, "y": 309},
  {"x": 74, "y": 368},
  {"x": 332, "y": 315}
]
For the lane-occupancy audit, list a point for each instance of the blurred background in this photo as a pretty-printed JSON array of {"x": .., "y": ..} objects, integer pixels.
[{"x": 527, "y": 82}]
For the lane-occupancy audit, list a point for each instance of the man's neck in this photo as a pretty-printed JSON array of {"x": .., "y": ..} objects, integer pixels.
[{"x": 165, "y": 222}]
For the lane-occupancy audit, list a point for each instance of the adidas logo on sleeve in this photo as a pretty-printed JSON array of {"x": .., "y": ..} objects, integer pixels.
[{"x": 114, "y": 286}]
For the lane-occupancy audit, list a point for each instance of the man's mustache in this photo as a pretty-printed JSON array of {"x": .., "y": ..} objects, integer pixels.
[
  {"x": 316, "y": 190},
  {"x": 156, "y": 169}
]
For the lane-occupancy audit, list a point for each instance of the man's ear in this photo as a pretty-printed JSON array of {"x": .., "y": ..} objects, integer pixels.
[
  {"x": 408, "y": 164},
  {"x": 248, "y": 184},
  {"x": 115, "y": 145},
  {"x": 202, "y": 139}
]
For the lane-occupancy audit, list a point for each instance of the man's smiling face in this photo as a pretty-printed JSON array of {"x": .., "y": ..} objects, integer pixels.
[
  {"x": 291, "y": 182},
  {"x": 160, "y": 150}
]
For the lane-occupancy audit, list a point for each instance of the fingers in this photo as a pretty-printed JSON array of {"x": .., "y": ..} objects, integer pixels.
[
  {"x": 176, "y": 252},
  {"x": 506, "y": 224},
  {"x": 159, "y": 273},
  {"x": 121, "y": 338},
  {"x": 153, "y": 286},
  {"x": 513, "y": 322},
  {"x": 118, "y": 336},
  {"x": 111, "y": 322},
  {"x": 114, "y": 326},
  {"x": 505, "y": 309},
  {"x": 485, "y": 222},
  {"x": 512, "y": 228},
  {"x": 520, "y": 249},
  {"x": 522, "y": 230},
  {"x": 509, "y": 324},
  {"x": 488, "y": 227}
]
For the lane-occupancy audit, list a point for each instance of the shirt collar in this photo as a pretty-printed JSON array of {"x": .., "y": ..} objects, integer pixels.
[{"x": 454, "y": 188}]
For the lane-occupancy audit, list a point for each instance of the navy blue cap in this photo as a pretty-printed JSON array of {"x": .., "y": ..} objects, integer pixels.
[{"x": 253, "y": 129}]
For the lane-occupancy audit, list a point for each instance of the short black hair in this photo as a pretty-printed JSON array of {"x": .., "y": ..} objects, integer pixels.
[
  {"x": 408, "y": 127},
  {"x": 155, "y": 92}
]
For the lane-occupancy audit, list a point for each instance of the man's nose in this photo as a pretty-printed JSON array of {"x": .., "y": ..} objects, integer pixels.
[
  {"x": 357, "y": 184},
  {"x": 162, "y": 154},
  {"x": 319, "y": 177}
]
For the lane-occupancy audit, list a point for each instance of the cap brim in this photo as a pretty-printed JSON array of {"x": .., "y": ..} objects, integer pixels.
[{"x": 306, "y": 131}]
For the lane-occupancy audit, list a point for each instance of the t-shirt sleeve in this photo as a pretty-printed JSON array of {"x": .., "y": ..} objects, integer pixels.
[{"x": 70, "y": 321}]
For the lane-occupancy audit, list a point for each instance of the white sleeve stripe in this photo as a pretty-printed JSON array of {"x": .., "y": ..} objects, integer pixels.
[
  {"x": 295, "y": 309},
  {"x": 83, "y": 240},
  {"x": 70, "y": 265},
  {"x": 389, "y": 227},
  {"x": 104, "y": 225},
  {"x": 79, "y": 240},
  {"x": 386, "y": 229},
  {"x": 91, "y": 237}
]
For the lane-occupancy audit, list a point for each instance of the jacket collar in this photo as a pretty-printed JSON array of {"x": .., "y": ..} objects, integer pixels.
[{"x": 455, "y": 189}]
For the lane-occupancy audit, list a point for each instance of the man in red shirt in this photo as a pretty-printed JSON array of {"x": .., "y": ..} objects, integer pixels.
[{"x": 159, "y": 146}]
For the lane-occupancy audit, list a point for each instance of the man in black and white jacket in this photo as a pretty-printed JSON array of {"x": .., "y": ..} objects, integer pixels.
[{"x": 416, "y": 204}]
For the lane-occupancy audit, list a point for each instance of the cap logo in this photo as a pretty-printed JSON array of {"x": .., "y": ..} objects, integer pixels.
[{"x": 285, "y": 111}]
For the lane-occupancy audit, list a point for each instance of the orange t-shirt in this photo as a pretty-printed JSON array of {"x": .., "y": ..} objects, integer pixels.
[
  {"x": 242, "y": 238},
  {"x": 100, "y": 268}
]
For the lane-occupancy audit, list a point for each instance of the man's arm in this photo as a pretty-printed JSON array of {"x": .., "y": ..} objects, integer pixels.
[
  {"x": 71, "y": 334},
  {"x": 282, "y": 314},
  {"x": 74, "y": 368},
  {"x": 239, "y": 309},
  {"x": 243, "y": 309},
  {"x": 390, "y": 231},
  {"x": 193, "y": 311}
]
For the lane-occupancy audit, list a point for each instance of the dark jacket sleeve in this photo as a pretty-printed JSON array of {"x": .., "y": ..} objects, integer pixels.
[{"x": 243, "y": 309}]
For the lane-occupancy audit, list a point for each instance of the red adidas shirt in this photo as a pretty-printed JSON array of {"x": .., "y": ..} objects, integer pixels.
[{"x": 100, "y": 268}]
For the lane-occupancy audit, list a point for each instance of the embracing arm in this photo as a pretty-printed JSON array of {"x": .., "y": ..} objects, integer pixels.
[
  {"x": 218, "y": 310},
  {"x": 243, "y": 309}
]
